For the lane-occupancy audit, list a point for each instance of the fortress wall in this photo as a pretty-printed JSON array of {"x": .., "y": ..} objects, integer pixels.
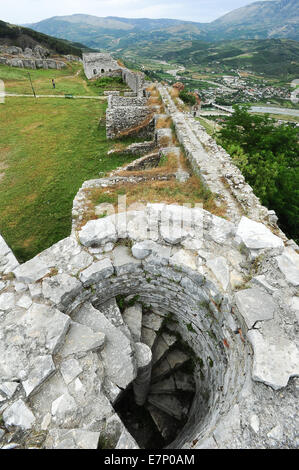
[
  {"x": 135, "y": 80},
  {"x": 115, "y": 101},
  {"x": 125, "y": 118}
]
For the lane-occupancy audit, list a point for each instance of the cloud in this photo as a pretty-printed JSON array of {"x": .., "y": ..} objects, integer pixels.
[{"x": 30, "y": 11}]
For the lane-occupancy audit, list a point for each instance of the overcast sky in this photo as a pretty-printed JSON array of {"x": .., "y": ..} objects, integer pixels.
[{"x": 30, "y": 11}]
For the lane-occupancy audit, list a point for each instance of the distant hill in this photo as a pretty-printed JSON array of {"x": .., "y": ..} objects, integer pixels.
[
  {"x": 20, "y": 36},
  {"x": 273, "y": 57},
  {"x": 259, "y": 20}
]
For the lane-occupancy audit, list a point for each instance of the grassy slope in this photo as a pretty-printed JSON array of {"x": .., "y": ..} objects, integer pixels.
[
  {"x": 68, "y": 81},
  {"x": 48, "y": 148}
]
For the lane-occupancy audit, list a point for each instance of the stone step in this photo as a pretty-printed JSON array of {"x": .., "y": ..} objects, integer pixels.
[
  {"x": 170, "y": 405},
  {"x": 152, "y": 321},
  {"x": 148, "y": 336},
  {"x": 117, "y": 355},
  {"x": 167, "y": 425},
  {"x": 132, "y": 317},
  {"x": 111, "y": 311},
  {"x": 184, "y": 382},
  {"x": 166, "y": 386},
  {"x": 162, "y": 345},
  {"x": 173, "y": 360},
  {"x": 178, "y": 382}
]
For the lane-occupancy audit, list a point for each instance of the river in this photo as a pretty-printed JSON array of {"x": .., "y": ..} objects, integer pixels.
[{"x": 268, "y": 109}]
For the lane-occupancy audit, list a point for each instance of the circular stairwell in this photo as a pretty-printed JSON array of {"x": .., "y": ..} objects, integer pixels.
[{"x": 157, "y": 422}]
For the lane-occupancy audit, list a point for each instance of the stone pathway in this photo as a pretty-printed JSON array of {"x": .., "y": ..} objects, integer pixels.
[{"x": 216, "y": 168}]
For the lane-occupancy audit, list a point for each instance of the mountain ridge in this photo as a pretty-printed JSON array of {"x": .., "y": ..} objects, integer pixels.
[
  {"x": 20, "y": 36},
  {"x": 258, "y": 20}
]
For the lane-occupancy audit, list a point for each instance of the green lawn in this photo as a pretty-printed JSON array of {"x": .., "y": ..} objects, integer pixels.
[
  {"x": 68, "y": 81},
  {"x": 48, "y": 148}
]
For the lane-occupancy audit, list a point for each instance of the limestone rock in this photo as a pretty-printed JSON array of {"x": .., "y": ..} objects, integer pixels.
[
  {"x": 152, "y": 321},
  {"x": 143, "y": 249},
  {"x": 137, "y": 227},
  {"x": 254, "y": 423},
  {"x": 63, "y": 409},
  {"x": 122, "y": 220},
  {"x": 169, "y": 404},
  {"x": 256, "y": 236},
  {"x": 97, "y": 272},
  {"x": 220, "y": 269},
  {"x": 186, "y": 258},
  {"x": 148, "y": 336},
  {"x": 43, "y": 321},
  {"x": 72, "y": 439},
  {"x": 7, "y": 301},
  {"x": 221, "y": 230},
  {"x": 104, "y": 209},
  {"x": 288, "y": 266},
  {"x": 18, "y": 414},
  {"x": 9, "y": 388},
  {"x": 31, "y": 271},
  {"x": 126, "y": 441},
  {"x": 261, "y": 281},
  {"x": 112, "y": 391},
  {"x": 27, "y": 334},
  {"x": 276, "y": 433},
  {"x": 144, "y": 367},
  {"x": 41, "y": 368},
  {"x": 255, "y": 305},
  {"x": 25, "y": 301},
  {"x": 80, "y": 340},
  {"x": 276, "y": 359},
  {"x": 176, "y": 222},
  {"x": 35, "y": 290},
  {"x": 228, "y": 427},
  {"x": 67, "y": 256},
  {"x": 118, "y": 356},
  {"x": 8, "y": 262},
  {"x": 124, "y": 261},
  {"x": 133, "y": 318},
  {"x": 98, "y": 232},
  {"x": 112, "y": 312},
  {"x": 61, "y": 289}
]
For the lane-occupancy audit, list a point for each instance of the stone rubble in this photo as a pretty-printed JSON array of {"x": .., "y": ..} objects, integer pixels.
[
  {"x": 66, "y": 368},
  {"x": 36, "y": 58}
]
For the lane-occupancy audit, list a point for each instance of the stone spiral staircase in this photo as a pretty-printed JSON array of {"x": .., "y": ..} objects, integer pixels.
[{"x": 155, "y": 419}]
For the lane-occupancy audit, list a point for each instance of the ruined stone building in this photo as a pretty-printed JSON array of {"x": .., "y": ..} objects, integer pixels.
[{"x": 98, "y": 64}]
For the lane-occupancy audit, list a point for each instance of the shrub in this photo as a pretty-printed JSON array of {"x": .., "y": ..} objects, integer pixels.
[{"x": 187, "y": 97}]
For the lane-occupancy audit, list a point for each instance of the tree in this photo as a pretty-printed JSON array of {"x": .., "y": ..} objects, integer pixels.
[
  {"x": 267, "y": 155},
  {"x": 187, "y": 97}
]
